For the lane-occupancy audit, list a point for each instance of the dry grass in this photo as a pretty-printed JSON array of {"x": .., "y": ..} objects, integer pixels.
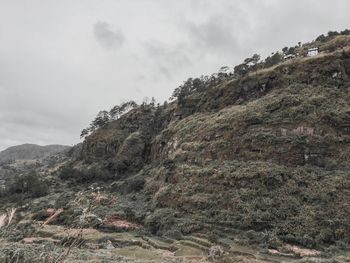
[
  {"x": 55, "y": 215},
  {"x": 9, "y": 216},
  {"x": 3, "y": 220},
  {"x": 115, "y": 221}
]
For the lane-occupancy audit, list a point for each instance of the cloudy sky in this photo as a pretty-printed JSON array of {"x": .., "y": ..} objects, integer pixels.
[{"x": 62, "y": 61}]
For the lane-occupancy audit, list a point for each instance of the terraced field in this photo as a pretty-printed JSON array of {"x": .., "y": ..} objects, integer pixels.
[{"x": 54, "y": 243}]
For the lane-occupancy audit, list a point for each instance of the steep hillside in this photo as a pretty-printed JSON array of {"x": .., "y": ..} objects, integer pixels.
[
  {"x": 266, "y": 152},
  {"x": 30, "y": 152},
  {"x": 250, "y": 167}
]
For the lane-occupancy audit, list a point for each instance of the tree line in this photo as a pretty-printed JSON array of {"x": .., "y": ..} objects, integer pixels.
[
  {"x": 200, "y": 84},
  {"x": 104, "y": 117},
  {"x": 250, "y": 64},
  {"x": 330, "y": 34}
]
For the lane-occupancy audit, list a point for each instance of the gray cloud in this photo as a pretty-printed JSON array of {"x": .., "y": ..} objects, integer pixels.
[
  {"x": 215, "y": 35},
  {"x": 54, "y": 75},
  {"x": 108, "y": 37},
  {"x": 168, "y": 59}
]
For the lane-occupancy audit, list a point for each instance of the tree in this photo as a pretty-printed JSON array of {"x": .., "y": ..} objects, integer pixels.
[
  {"x": 175, "y": 94},
  {"x": 255, "y": 58},
  {"x": 104, "y": 117},
  {"x": 101, "y": 120},
  {"x": 183, "y": 91},
  {"x": 321, "y": 38},
  {"x": 332, "y": 33},
  {"x": 272, "y": 60},
  {"x": 291, "y": 51},
  {"x": 224, "y": 69},
  {"x": 27, "y": 184},
  {"x": 345, "y": 32},
  {"x": 197, "y": 85},
  {"x": 252, "y": 61},
  {"x": 84, "y": 133},
  {"x": 223, "y": 72},
  {"x": 192, "y": 85},
  {"x": 118, "y": 110},
  {"x": 248, "y": 65},
  {"x": 115, "y": 112},
  {"x": 132, "y": 104},
  {"x": 126, "y": 106},
  {"x": 204, "y": 79},
  {"x": 241, "y": 69}
]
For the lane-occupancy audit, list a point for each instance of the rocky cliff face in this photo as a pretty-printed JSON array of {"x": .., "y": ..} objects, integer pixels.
[
  {"x": 261, "y": 159},
  {"x": 125, "y": 144},
  {"x": 266, "y": 152},
  {"x": 296, "y": 114}
]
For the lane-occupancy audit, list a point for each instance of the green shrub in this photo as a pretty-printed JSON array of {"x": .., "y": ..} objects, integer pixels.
[
  {"x": 68, "y": 172},
  {"x": 135, "y": 185},
  {"x": 85, "y": 176},
  {"x": 161, "y": 220},
  {"x": 29, "y": 184}
]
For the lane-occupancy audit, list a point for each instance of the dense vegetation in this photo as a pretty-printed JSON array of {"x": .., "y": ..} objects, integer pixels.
[
  {"x": 243, "y": 150},
  {"x": 203, "y": 83},
  {"x": 28, "y": 185},
  {"x": 257, "y": 157}
]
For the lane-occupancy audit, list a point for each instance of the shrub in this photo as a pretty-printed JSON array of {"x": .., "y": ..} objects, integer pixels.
[
  {"x": 85, "y": 176},
  {"x": 67, "y": 173},
  {"x": 29, "y": 184},
  {"x": 161, "y": 220},
  {"x": 332, "y": 33},
  {"x": 321, "y": 38},
  {"x": 133, "y": 185}
]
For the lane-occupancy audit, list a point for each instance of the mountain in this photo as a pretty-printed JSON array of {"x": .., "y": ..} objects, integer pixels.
[
  {"x": 30, "y": 152},
  {"x": 267, "y": 151},
  {"x": 244, "y": 167}
]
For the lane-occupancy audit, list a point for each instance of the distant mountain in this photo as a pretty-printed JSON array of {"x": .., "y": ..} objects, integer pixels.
[{"x": 30, "y": 152}]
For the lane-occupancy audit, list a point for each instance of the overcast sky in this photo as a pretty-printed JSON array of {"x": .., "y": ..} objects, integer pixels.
[{"x": 62, "y": 61}]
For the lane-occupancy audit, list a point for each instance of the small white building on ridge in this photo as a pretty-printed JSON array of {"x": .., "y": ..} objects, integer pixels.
[
  {"x": 289, "y": 56},
  {"x": 312, "y": 52}
]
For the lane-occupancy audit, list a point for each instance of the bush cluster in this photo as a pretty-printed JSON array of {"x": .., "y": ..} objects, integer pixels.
[
  {"x": 29, "y": 184},
  {"x": 85, "y": 176}
]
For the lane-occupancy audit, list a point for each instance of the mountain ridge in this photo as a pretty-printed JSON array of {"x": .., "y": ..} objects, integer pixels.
[{"x": 30, "y": 151}]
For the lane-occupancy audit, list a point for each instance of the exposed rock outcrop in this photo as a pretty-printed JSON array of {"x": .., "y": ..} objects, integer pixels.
[{"x": 262, "y": 152}]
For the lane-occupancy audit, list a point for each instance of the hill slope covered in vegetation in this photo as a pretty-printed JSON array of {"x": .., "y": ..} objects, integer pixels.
[
  {"x": 30, "y": 152},
  {"x": 241, "y": 166}
]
